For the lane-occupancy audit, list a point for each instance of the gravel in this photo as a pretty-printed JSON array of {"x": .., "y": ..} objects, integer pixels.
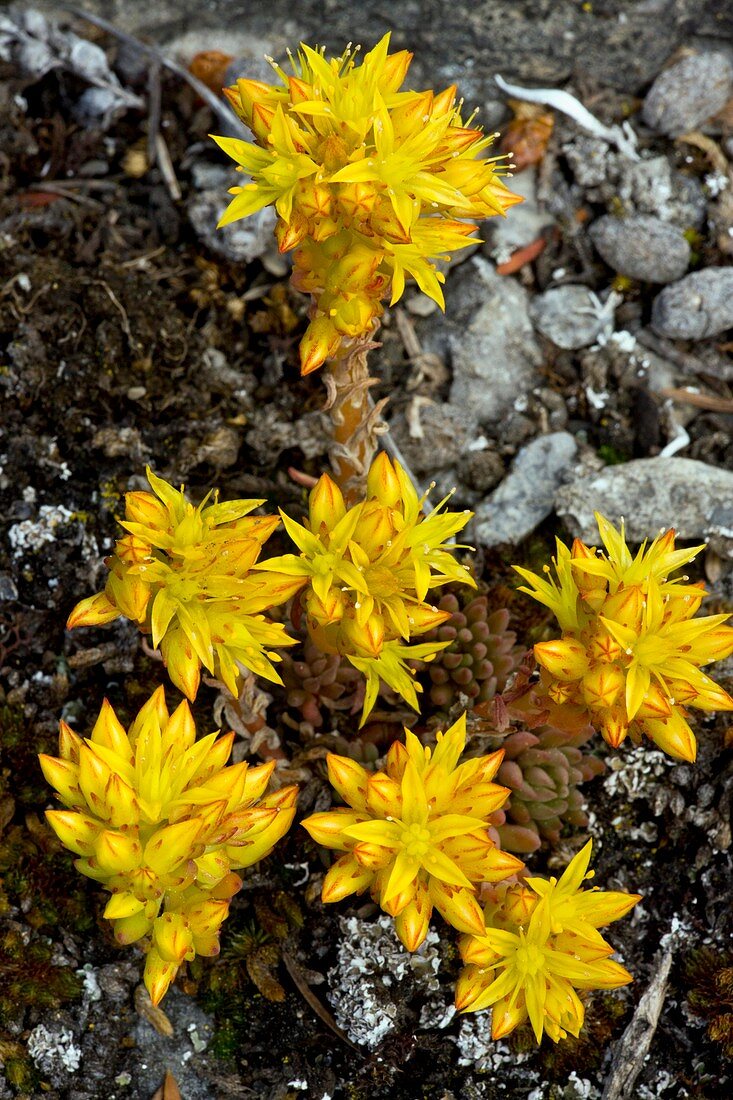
[
  {"x": 688, "y": 93},
  {"x": 642, "y": 247},
  {"x": 568, "y": 315},
  {"x": 696, "y": 307},
  {"x": 526, "y": 495},
  {"x": 652, "y": 494}
]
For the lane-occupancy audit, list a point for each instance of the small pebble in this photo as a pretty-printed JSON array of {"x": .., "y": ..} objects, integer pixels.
[
  {"x": 696, "y": 307},
  {"x": 642, "y": 248},
  {"x": 567, "y": 315},
  {"x": 688, "y": 93}
]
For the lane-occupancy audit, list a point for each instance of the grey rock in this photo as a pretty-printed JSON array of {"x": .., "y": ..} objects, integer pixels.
[
  {"x": 652, "y": 494},
  {"x": 526, "y": 495},
  {"x": 242, "y": 241},
  {"x": 8, "y": 589},
  {"x": 525, "y": 224},
  {"x": 567, "y": 315},
  {"x": 642, "y": 247},
  {"x": 688, "y": 92},
  {"x": 588, "y": 159},
  {"x": 487, "y": 336},
  {"x": 447, "y": 432},
  {"x": 653, "y": 187},
  {"x": 481, "y": 470},
  {"x": 696, "y": 307},
  {"x": 180, "y": 1053}
]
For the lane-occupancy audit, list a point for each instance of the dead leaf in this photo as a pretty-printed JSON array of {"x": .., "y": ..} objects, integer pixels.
[
  {"x": 169, "y": 1090},
  {"x": 527, "y": 135},
  {"x": 210, "y": 67},
  {"x": 150, "y": 1012}
]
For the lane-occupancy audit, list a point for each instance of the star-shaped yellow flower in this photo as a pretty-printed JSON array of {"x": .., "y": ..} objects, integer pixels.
[
  {"x": 631, "y": 652},
  {"x": 416, "y": 835},
  {"x": 540, "y": 945},
  {"x": 157, "y": 818},
  {"x": 185, "y": 574},
  {"x": 369, "y": 569},
  {"x": 369, "y": 182}
]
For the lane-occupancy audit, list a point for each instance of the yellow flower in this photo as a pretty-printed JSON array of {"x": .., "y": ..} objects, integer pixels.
[
  {"x": 630, "y": 651},
  {"x": 540, "y": 945},
  {"x": 369, "y": 569},
  {"x": 184, "y": 573},
  {"x": 368, "y": 182},
  {"x": 416, "y": 835},
  {"x": 157, "y": 818}
]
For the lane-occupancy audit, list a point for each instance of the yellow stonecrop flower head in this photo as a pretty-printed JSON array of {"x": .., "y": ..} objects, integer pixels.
[
  {"x": 157, "y": 818},
  {"x": 369, "y": 182},
  {"x": 540, "y": 945},
  {"x": 184, "y": 573},
  {"x": 369, "y": 569},
  {"x": 416, "y": 835},
  {"x": 631, "y": 652}
]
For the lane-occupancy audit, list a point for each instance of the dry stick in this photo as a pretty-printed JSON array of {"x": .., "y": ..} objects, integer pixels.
[
  {"x": 220, "y": 109},
  {"x": 633, "y": 1046},
  {"x": 709, "y": 401},
  {"x": 309, "y": 996}
]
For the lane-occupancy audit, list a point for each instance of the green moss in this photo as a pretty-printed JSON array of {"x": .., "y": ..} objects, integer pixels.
[
  {"x": 39, "y": 876},
  {"x": 611, "y": 455},
  {"x": 21, "y": 775},
  {"x": 28, "y": 978}
]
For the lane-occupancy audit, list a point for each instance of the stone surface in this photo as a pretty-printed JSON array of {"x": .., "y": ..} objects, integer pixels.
[
  {"x": 241, "y": 241},
  {"x": 447, "y": 432},
  {"x": 487, "y": 338},
  {"x": 505, "y": 235},
  {"x": 687, "y": 93},
  {"x": 698, "y": 306},
  {"x": 651, "y": 186},
  {"x": 642, "y": 247},
  {"x": 542, "y": 41},
  {"x": 567, "y": 315},
  {"x": 525, "y": 497},
  {"x": 652, "y": 493}
]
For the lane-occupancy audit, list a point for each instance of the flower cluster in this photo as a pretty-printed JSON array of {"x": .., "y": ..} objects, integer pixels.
[
  {"x": 416, "y": 835},
  {"x": 541, "y": 943},
  {"x": 157, "y": 818},
  {"x": 369, "y": 569},
  {"x": 184, "y": 573},
  {"x": 630, "y": 651},
  {"x": 370, "y": 183}
]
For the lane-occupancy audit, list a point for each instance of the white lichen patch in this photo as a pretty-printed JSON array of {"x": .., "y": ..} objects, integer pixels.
[
  {"x": 476, "y": 1048},
  {"x": 634, "y": 773},
  {"x": 31, "y": 535},
  {"x": 372, "y": 963},
  {"x": 52, "y": 1050},
  {"x": 580, "y": 1088}
]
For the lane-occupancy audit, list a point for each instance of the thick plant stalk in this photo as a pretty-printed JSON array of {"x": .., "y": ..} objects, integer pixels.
[{"x": 357, "y": 421}]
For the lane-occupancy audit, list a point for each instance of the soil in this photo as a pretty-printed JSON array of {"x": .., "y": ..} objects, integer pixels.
[{"x": 126, "y": 340}]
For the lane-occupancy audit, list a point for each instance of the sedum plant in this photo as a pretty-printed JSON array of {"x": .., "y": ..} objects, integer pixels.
[
  {"x": 631, "y": 650},
  {"x": 371, "y": 185},
  {"x": 369, "y": 569},
  {"x": 480, "y": 655},
  {"x": 416, "y": 835},
  {"x": 539, "y": 947},
  {"x": 185, "y": 575},
  {"x": 163, "y": 824}
]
